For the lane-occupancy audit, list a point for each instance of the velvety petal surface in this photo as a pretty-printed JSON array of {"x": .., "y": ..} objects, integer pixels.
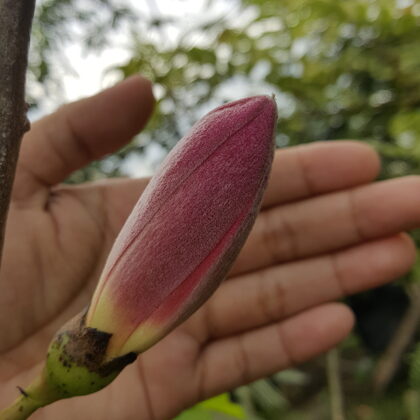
[{"x": 188, "y": 226}]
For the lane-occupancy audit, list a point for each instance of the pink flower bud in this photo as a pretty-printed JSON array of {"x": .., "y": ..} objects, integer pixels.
[{"x": 187, "y": 228}]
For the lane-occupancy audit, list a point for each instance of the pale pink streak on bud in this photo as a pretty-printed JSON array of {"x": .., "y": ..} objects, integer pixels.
[{"x": 188, "y": 226}]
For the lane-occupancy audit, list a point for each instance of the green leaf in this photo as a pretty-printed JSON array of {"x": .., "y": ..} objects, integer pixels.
[
  {"x": 217, "y": 405},
  {"x": 222, "y": 404},
  {"x": 195, "y": 413}
]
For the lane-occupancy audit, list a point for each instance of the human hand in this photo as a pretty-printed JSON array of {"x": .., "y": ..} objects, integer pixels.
[{"x": 324, "y": 232}]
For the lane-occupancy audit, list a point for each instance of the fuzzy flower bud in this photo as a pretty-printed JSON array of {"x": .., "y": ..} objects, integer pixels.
[
  {"x": 187, "y": 228},
  {"x": 175, "y": 248}
]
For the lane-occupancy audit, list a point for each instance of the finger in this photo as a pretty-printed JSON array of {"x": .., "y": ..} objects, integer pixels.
[
  {"x": 110, "y": 200},
  {"x": 267, "y": 296},
  {"x": 317, "y": 168},
  {"x": 330, "y": 222},
  {"x": 235, "y": 361},
  {"x": 81, "y": 132},
  {"x": 329, "y": 166},
  {"x": 119, "y": 196}
]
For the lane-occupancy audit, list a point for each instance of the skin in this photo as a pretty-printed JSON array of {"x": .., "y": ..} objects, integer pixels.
[{"x": 326, "y": 230}]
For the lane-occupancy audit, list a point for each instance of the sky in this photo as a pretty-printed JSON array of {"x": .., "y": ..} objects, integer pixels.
[
  {"x": 91, "y": 75},
  {"x": 90, "y": 72}
]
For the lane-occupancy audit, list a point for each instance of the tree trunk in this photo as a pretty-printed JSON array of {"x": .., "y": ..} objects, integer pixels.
[{"x": 15, "y": 27}]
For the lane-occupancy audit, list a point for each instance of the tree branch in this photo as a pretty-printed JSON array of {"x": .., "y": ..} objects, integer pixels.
[
  {"x": 15, "y": 27},
  {"x": 390, "y": 361},
  {"x": 334, "y": 385}
]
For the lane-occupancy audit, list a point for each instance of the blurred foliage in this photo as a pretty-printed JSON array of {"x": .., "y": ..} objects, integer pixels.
[
  {"x": 346, "y": 69},
  {"x": 217, "y": 408},
  {"x": 57, "y": 24},
  {"x": 415, "y": 368},
  {"x": 339, "y": 69}
]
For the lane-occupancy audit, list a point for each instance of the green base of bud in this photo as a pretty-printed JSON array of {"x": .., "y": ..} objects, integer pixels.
[
  {"x": 75, "y": 365},
  {"x": 67, "y": 377},
  {"x": 76, "y": 361}
]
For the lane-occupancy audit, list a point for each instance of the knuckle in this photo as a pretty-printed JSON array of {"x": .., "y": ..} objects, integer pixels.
[
  {"x": 278, "y": 236},
  {"x": 271, "y": 297}
]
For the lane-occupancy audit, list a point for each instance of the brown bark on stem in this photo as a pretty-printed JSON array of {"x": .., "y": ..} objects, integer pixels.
[{"x": 15, "y": 27}]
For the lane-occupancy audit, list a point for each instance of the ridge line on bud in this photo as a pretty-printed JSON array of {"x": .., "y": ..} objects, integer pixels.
[{"x": 113, "y": 262}]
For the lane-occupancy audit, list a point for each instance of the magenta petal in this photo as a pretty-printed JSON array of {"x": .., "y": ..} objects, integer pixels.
[{"x": 191, "y": 221}]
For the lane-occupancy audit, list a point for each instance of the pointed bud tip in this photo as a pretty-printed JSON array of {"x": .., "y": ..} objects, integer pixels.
[
  {"x": 255, "y": 105},
  {"x": 250, "y": 101}
]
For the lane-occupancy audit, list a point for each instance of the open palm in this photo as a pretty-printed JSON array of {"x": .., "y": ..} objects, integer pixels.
[{"x": 324, "y": 232}]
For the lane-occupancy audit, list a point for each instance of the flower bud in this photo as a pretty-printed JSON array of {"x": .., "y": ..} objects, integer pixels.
[
  {"x": 175, "y": 248},
  {"x": 187, "y": 228}
]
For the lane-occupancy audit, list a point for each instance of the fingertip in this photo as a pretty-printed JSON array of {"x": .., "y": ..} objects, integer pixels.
[
  {"x": 138, "y": 97},
  {"x": 367, "y": 157},
  {"x": 135, "y": 96},
  {"x": 356, "y": 162},
  {"x": 345, "y": 317},
  {"x": 408, "y": 247},
  {"x": 387, "y": 207},
  {"x": 336, "y": 320},
  {"x": 81, "y": 132},
  {"x": 317, "y": 330},
  {"x": 374, "y": 263},
  {"x": 318, "y": 168},
  {"x": 138, "y": 84},
  {"x": 110, "y": 119}
]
